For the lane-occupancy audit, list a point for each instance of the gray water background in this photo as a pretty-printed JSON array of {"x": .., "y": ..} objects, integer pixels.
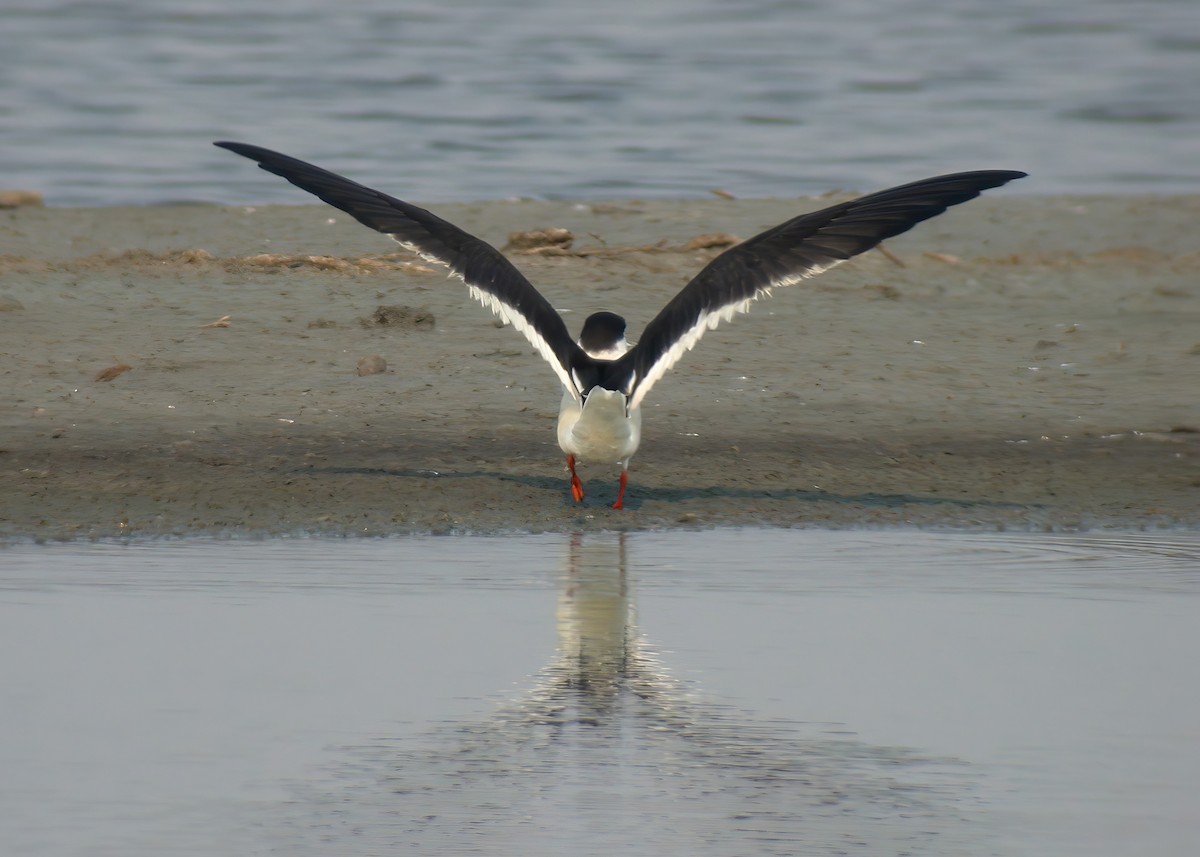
[
  {"x": 685, "y": 693},
  {"x": 106, "y": 102}
]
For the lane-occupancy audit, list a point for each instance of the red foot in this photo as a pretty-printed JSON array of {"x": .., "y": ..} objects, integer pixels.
[
  {"x": 576, "y": 485},
  {"x": 621, "y": 491}
]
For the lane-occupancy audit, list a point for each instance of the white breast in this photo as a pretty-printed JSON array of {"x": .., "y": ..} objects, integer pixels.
[{"x": 599, "y": 431}]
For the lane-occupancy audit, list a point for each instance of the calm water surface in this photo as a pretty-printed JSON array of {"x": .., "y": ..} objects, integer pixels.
[
  {"x": 115, "y": 101},
  {"x": 717, "y": 693}
]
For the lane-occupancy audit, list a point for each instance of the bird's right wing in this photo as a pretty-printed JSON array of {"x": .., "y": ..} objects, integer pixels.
[{"x": 785, "y": 255}]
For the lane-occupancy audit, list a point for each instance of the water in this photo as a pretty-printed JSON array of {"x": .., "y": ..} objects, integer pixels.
[
  {"x": 116, "y": 101},
  {"x": 717, "y": 693}
]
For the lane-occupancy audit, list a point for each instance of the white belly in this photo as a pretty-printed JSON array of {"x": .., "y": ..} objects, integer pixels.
[{"x": 599, "y": 431}]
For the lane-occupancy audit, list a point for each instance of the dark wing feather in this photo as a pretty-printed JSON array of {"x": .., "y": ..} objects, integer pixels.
[
  {"x": 785, "y": 255},
  {"x": 490, "y": 277}
]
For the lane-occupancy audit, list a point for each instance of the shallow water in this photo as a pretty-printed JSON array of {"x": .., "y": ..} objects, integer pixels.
[
  {"x": 707, "y": 693},
  {"x": 116, "y": 102}
]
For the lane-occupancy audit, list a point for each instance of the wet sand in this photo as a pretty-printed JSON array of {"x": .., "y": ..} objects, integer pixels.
[{"x": 1020, "y": 363}]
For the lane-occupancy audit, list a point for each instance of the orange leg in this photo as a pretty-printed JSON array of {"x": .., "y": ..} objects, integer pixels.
[
  {"x": 576, "y": 485},
  {"x": 621, "y": 491}
]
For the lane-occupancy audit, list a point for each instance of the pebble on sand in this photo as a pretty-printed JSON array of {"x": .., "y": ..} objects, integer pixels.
[
  {"x": 536, "y": 240},
  {"x": 372, "y": 364}
]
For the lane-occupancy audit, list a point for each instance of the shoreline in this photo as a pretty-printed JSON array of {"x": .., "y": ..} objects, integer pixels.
[{"x": 1019, "y": 362}]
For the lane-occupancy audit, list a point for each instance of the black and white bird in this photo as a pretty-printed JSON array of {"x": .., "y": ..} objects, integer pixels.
[{"x": 604, "y": 378}]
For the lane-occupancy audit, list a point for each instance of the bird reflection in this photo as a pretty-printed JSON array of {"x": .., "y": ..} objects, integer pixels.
[
  {"x": 595, "y": 623},
  {"x": 606, "y": 752},
  {"x": 601, "y": 658}
]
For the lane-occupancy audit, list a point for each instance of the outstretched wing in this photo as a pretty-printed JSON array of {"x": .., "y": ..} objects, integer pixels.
[
  {"x": 490, "y": 277},
  {"x": 783, "y": 256}
]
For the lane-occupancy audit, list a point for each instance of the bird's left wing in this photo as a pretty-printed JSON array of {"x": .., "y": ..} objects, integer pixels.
[{"x": 490, "y": 277}]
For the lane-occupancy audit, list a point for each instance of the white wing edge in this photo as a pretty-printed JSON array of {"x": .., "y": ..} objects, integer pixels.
[
  {"x": 709, "y": 321},
  {"x": 505, "y": 313}
]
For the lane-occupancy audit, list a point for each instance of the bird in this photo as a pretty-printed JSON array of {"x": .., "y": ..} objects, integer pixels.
[{"x": 605, "y": 378}]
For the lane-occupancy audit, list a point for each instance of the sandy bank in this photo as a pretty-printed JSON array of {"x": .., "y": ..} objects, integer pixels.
[{"x": 1032, "y": 363}]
